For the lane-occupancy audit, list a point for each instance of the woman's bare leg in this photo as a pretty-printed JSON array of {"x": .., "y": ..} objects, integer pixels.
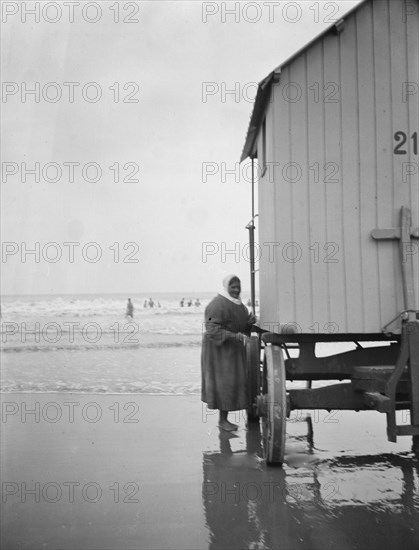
[{"x": 224, "y": 424}]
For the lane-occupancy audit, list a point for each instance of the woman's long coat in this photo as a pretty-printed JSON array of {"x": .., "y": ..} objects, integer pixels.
[{"x": 223, "y": 358}]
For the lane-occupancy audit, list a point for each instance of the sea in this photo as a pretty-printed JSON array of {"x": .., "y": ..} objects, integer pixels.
[{"x": 86, "y": 343}]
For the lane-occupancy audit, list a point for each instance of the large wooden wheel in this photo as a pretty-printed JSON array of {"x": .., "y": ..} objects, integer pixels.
[
  {"x": 274, "y": 408},
  {"x": 253, "y": 376}
]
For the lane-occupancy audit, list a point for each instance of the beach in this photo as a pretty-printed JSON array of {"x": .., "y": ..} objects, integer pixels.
[
  {"x": 116, "y": 471},
  {"x": 106, "y": 445},
  {"x": 204, "y": 200}
]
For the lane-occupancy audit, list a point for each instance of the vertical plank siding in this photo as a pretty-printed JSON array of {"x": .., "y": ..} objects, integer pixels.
[
  {"x": 267, "y": 226},
  {"x": 330, "y": 142},
  {"x": 387, "y": 259},
  {"x": 297, "y": 247},
  {"x": 350, "y": 173},
  {"x": 412, "y": 62}
]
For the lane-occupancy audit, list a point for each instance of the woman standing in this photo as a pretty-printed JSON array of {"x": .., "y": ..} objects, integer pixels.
[{"x": 223, "y": 360}]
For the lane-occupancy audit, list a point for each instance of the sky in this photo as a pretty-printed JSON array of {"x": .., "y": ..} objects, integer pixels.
[{"x": 121, "y": 142}]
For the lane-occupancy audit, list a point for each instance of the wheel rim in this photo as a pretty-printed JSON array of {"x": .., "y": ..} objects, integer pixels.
[
  {"x": 275, "y": 405},
  {"x": 253, "y": 375}
]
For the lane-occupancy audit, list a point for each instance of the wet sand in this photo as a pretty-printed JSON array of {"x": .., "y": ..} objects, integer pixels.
[{"x": 116, "y": 471}]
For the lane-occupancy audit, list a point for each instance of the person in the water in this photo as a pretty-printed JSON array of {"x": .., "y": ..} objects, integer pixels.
[{"x": 130, "y": 309}]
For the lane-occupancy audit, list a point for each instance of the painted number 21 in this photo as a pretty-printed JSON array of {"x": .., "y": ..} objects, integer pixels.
[{"x": 402, "y": 138}]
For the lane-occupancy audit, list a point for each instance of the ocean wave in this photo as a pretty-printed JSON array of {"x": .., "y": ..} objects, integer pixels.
[
  {"x": 51, "y": 332},
  {"x": 92, "y": 307},
  {"x": 50, "y": 328},
  {"x": 95, "y": 347},
  {"x": 156, "y": 388}
]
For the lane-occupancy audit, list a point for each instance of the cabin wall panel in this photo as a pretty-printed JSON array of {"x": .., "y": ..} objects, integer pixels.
[
  {"x": 332, "y": 250},
  {"x": 298, "y": 254},
  {"x": 400, "y": 122},
  {"x": 315, "y": 160},
  {"x": 369, "y": 63},
  {"x": 367, "y": 248},
  {"x": 266, "y": 226},
  {"x": 412, "y": 51},
  {"x": 285, "y": 280},
  {"x": 384, "y": 145},
  {"x": 350, "y": 169}
]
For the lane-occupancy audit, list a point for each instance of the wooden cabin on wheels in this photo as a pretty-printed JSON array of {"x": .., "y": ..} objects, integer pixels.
[{"x": 333, "y": 139}]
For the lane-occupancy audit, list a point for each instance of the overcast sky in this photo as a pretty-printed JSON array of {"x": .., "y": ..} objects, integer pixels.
[{"x": 166, "y": 129}]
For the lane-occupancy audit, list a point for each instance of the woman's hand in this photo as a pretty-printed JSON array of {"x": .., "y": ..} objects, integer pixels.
[
  {"x": 242, "y": 338},
  {"x": 252, "y": 319}
]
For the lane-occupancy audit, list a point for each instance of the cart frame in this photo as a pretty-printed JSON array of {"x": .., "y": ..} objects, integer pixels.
[{"x": 380, "y": 378}]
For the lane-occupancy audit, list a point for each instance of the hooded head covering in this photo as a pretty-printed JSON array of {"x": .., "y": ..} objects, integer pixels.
[{"x": 224, "y": 292}]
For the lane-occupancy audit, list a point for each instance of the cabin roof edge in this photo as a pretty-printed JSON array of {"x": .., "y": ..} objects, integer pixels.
[{"x": 265, "y": 85}]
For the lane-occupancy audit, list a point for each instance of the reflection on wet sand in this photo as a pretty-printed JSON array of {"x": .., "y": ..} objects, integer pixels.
[{"x": 341, "y": 502}]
